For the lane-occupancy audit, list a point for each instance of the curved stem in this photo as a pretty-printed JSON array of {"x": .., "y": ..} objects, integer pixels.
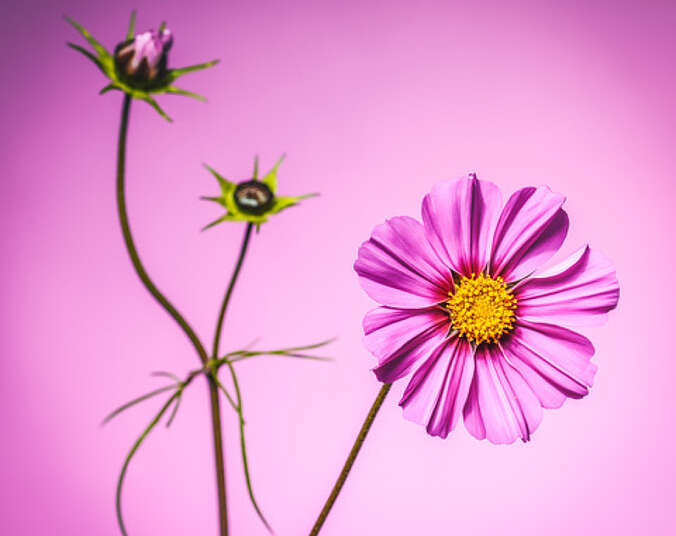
[
  {"x": 231, "y": 286},
  {"x": 129, "y": 240},
  {"x": 361, "y": 437},
  {"x": 173, "y": 312}
]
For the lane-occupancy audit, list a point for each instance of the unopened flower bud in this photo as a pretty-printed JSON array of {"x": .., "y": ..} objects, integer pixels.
[
  {"x": 254, "y": 197},
  {"x": 142, "y": 61}
]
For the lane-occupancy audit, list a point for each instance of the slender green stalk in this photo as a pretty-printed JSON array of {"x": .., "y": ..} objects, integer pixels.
[
  {"x": 231, "y": 286},
  {"x": 361, "y": 437},
  {"x": 218, "y": 453},
  {"x": 173, "y": 312},
  {"x": 129, "y": 241},
  {"x": 217, "y": 339}
]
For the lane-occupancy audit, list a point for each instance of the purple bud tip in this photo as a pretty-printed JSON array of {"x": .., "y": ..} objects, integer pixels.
[{"x": 143, "y": 59}]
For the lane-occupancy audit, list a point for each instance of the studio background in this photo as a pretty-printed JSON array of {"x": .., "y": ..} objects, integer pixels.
[{"x": 372, "y": 103}]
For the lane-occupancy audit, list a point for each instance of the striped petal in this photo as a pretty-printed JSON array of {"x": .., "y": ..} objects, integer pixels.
[
  {"x": 459, "y": 218},
  {"x": 577, "y": 292},
  {"x": 397, "y": 267},
  {"x": 531, "y": 229}
]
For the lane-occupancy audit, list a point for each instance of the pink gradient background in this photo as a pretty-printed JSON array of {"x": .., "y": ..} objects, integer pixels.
[{"x": 373, "y": 103}]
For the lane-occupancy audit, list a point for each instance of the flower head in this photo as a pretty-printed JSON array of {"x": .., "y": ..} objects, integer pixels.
[
  {"x": 142, "y": 61},
  {"x": 252, "y": 200},
  {"x": 138, "y": 65},
  {"x": 465, "y": 309}
]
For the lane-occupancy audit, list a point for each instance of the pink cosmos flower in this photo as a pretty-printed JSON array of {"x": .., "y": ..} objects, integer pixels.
[{"x": 465, "y": 308}]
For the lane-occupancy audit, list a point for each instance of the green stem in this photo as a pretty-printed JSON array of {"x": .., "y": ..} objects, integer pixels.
[
  {"x": 231, "y": 286},
  {"x": 129, "y": 241},
  {"x": 361, "y": 437},
  {"x": 217, "y": 339},
  {"x": 173, "y": 312}
]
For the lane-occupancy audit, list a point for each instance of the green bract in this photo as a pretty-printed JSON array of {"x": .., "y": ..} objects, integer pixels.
[
  {"x": 105, "y": 61},
  {"x": 253, "y": 200}
]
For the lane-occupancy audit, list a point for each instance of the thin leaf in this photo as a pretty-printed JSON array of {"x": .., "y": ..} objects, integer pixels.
[
  {"x": 285, "y": 354},
  {"x": 175, "y": 73},
  {"x": 178, "y": 91},
  {"x": 159, "y": 110},
  {"x": 132, "y": 403},
  {"x": 100, "y": 49},
  {"x": 130, "y": 455},
  {"x": 245, "y": 462},
  {"x": 165, "y": 374},
  {"x": 132, "y": 25},
  {"x": 225, "y": 392},
  {"x": 175, "y": 410},
  {"x": 311, "y": 346},
  {"x": 88, "y": 54}
]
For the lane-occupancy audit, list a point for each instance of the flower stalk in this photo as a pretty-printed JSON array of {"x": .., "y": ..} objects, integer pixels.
[
  {"x": 176, "y": 315},
  {"x": 217, "y": 338},
  {"x": 347, "y": 467}
]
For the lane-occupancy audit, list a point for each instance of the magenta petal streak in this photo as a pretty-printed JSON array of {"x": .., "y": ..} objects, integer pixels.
[{"x": 459, "y": 218}]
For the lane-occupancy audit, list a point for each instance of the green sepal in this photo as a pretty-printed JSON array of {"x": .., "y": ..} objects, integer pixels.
[
  {"x": 89, "y": 55},
  {"x": 226, "y": 198},
  {"x": 234, "y": 213},
  {"x": 178, "y": 91},
  {"x": 154, "y": 104},
  {"x": 227, "y": 217},
  {"x": 132, "y": 25},
  {"x": 271, "y": 176},
  {"x": 105, "y": 59},
  {"x": 283, "y": 202},
  {"x": 109, "y": 87},
  {"x": 175, "y": 73},
  {"x": 255, "y": 171}
]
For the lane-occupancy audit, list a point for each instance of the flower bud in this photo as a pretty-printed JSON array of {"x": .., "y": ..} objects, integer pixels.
[
  {"x": 142, "y": 61},
  {"x": 254, "y": 197}
]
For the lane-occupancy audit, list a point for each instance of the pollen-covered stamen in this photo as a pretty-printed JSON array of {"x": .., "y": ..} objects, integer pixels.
[
  {"x": 254, "y": 197},
  {"x": 482, "y": 308}
]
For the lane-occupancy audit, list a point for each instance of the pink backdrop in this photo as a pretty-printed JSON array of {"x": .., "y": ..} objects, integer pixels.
[{"x": 372, "y": 103}]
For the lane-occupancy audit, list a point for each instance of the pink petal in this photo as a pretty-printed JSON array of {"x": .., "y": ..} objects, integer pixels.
[
  {"x": 555, "y": 361},
  {"x": 459, "y": 218},
  {"x": 437, "y": 391},
  {"x": 399, "y": 338},
  {"x": 501, "y": 406},
  {"x": 397, "y": 267},
  {"x": 578, "y": 291},
  {"x": 531, "y": 229}
]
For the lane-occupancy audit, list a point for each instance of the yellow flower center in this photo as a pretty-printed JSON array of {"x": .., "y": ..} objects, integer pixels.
[{"x": 482, "y": 308}]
